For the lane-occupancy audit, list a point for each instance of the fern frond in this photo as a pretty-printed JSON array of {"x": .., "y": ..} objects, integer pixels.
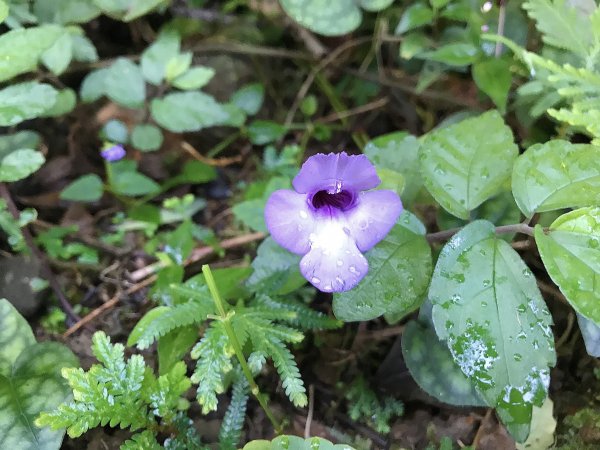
[
  {"x": 174, "y": 317},
  {"x": 214, "y": 354},
  {"x": 164, "y": 394},
  {"x": 304, "y": 317},
  {"x": 142, "y": 441},
  {"x": 233, "y": 422}
]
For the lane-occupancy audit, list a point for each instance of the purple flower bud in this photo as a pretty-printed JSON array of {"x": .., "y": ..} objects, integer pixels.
[
  {"x": 330, "y": 220},
  {"x": 114, "y": 153}
]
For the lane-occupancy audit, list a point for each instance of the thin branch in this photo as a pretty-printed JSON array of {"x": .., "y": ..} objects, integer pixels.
[
  {"x": 37, "y": 253},
  {"x": 441, "y": 236}
]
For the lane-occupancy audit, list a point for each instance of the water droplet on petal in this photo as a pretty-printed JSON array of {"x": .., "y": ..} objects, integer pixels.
[
  {"x": 315, "y": 280},
  {"x": 340, "y": 263},
  {"x": 353, "y": 270},
  {"x": 303, "y": 215}
]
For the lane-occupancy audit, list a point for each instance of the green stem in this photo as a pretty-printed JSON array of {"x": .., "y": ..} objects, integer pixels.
[
  {"x": 237, "y": 348},
  {"x": 223, "y": 145}
]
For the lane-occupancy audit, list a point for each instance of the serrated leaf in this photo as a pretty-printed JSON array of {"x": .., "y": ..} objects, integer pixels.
[
  {"x": 25, "y": 101},
  {"x": 465, "y": 164},
  {"x": 188, "y": 111},
  {"x": 556, "y": 175},
  {"x": 233, "y": 421},
  {"x": 570, "y": 251},
  {"x": 20, "y": 164},
  {"x": 432, "y": 367},
  {"x": 399, "y": 271},
  {"x": 324, "y": 17},
  {"x": 488, "y": 309},
  {"x": 493, "y": 77},
  {"x": 276, "y": 271},
  {"x": 87, "y": 188}
]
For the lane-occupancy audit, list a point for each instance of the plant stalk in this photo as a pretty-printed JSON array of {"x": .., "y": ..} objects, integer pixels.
[{"x": 237, "y": 348}]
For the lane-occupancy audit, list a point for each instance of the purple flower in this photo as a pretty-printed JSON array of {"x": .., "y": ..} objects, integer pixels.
[
  {"x": 114, "y": 153},
  {"x": 330, "y": 220}
]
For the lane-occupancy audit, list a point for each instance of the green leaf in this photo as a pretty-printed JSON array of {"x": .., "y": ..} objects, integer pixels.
[
  {"x": 249, "y": 98},
  {"x": 126, "y": 180},
  {"x": 58, "y": 56},
  {"x": 155, "y": 57},
  {"x": 570, "y": 251},
  {"x": 431, "y": 365},
  {"x": 324, "y": 17},
  {"x": 276, "y": 271},
  {"x": 3, "y": 11},
  {"x": 561, "y": 25},
  {"x": 173, "y": 346},
  {"x": 493, "y": 77},
  {"x": 83, "y": 49},
  {"x": 543, "y": 426},
  {"x": 488, "y": 309},
  {"x": 399, "y": 273},
  {"x": 261, "y": 132},
  {"x": 25, "y": 101},
  {"x": 66, "y": 99},
  {"x": 251, "y": 212},
  {"x": 124, "y": 83},
  {"x": 459, "y": 171},
  {"x": 233, "y": 422},
  {"x": 591, "y": 335},
  {"x": 63, "y": 12},
  {"x": 416, "y": 15},
  {"x": 22, "y": 48},
  {"x": 413, "y": 44},
  {"x": 398, "y": 151},
  {"x": 295, "y": 443},
  {"x": 177, "y": 65},
  {"x": 127, "y": 10},
  {"x": 30, "y": 382},
  {"x": 93, "y": 86},
  {"x": 455, "y": 54},
  {"x": 194, "y": 78},
  {"x": 556, "y": 175},
  {"x": 188, "y": 111},
  {"x": 87, "y": 188},
  {"x": 146, "y": 138},
  {"x": 115, "y": 131},
  {"x": 20, "y": 164}
]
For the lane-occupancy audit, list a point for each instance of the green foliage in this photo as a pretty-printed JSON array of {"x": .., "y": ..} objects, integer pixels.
[
  {"x": 295, "y": 443},
  {"x": 507, "y": 359},
  {"x": 12, "y": 227},
  {"x": 121, "y": 393},
  {"x": 30, "y": 382},
  {"x": 233, "y": 422},
  {"x": 87, "y": 188},
  {"x": 399, "y": 272},
  {"x": 364, "y": 406}
]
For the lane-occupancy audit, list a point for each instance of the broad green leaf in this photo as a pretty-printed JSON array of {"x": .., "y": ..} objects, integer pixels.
[
  {"x": 261, "y": 132},
  {"x": 30, "y": 383},
  {"x": 454, "y": 54},
  {"x": 194, "y": 78},
  {"x": 374, "y": 5},
  {"x": 432, "y": 367},
  {"x": 22, "y": 48},
  {"x": 83, "y": 49},
  {"x": 561, "y": 25},
  {"x": 416, "y": 15},
  {"x": 142, "y": 326},
  {"x": 493, "y": 77},
  {"x": 399, "y": 273},
  {"x": 188, "y": 111},
  {"x": 249, "y": 98},
  {"x": 146, "y": 138},
  {"x": 58, "y": 56},
  {"x": 20, "y": 164},
  {"x": 173, "y": 346},
  {"x": 115, "y": 131},
  {"x": 323, "y": 16},
  {"x": 413, "y": 44},
  {"x": 23, "y": 101},
  {"x": 543, "y": 426},
  {"x": 251, "y": 212},
  {"x": 295, "y": 443},
  {"x": 20, "y": 139},
  {"x": 63, "y": 12},
  {"x": 557, "y": 175},
  {"x": 570, "y": 251},
  {"x": 87, "y": 188},
  {"x": 133, "y": 184},
  {"x": 276, "y": 271},
  {"x": 465, "y": 164},
  {"x": 177, "y": 65},
  {"x": 93, "y": 86},
  {"x": 488, "y": 309},
  {"x": 66, "y": 100},
  {"x": 155, "y": 57},
  {"x": 3, "y": 11},
  {"x": 127, "y": 10},
  {"x": 399, "y": 152},
  {"x": 229, "y": 280},
  {"x": 124, "y": 83}
]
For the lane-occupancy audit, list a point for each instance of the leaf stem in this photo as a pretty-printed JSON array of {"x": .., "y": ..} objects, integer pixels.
[
  {"x": 237, "y": 348},
  {"x": 441, "y": 236}
]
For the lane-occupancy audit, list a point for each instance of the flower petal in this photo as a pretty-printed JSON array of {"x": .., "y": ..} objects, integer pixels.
[
  {"x": 373, "y": 217},
  {"x": 333, "y": 264},
  {"x": 336, "y": 172},
  {"x": 290, "y": 220}
]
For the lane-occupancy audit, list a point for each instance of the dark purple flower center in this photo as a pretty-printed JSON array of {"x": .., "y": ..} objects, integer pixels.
[{"x": 339, "y": 200}]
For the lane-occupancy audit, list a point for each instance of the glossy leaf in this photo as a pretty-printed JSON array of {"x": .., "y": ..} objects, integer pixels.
[
  {"x": 24, "y": 101},
  {"x": 20, "y": 164},
  {"x": 570, "y": 251},
  {"x": 87, "y": 188},
  {"x": 557, "y": 175},
  {"x": 493, "y": 77},
  {"x": 454, "y": 54},
  {"x": 416, "y": 15},
  {"x": 488, "y": 309},
  {"x": 398, "y": 152},
  {"x": 467, "y": 163},
  {"x": 188, "y": 111},
  {"x": 324, "y": 17},
  {"x": 591, "y": 335},
  {"x": 432, "y": 367},
  {"x": 399, "y": 273}
]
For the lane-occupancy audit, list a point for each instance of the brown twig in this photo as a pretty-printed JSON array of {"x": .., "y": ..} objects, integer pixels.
[
  {"x": 220, "y": 162},
  {"x": 311, "y": 410},
  {"x": 375, "y": 104},
  {"x": 36, "y": 252}
]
